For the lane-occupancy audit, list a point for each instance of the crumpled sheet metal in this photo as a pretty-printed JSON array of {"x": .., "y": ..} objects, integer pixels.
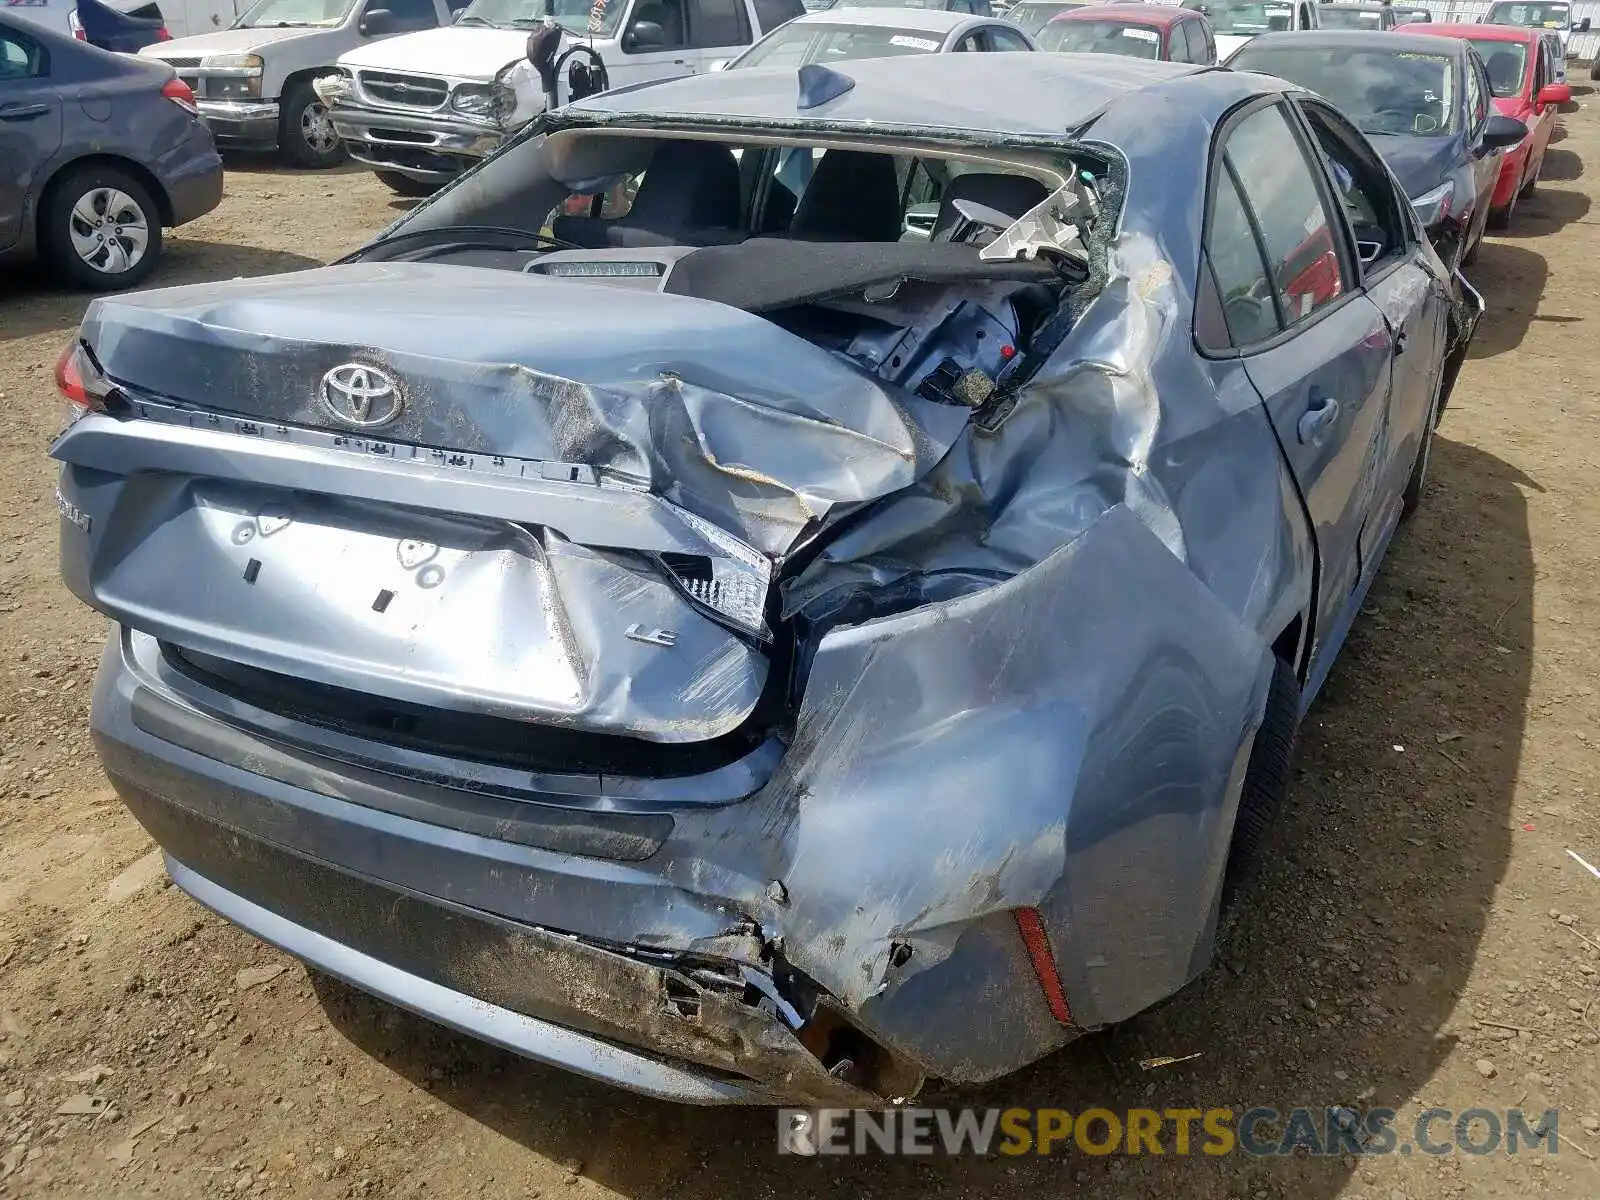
[
  {"x": 738, "y": 420},
  {"x": 1123, "y": 413},
  {"x": 1072, "y": 737},
  {"x": 1024, "y": 740}
]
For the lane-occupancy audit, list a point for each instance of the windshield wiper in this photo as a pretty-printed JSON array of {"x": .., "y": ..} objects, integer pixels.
[{"x": 475, "y": 20}]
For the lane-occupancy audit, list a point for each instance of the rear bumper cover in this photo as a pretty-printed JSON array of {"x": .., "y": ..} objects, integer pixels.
[
  {"x": 550, "y": 996},
  {"x": 911, "y": 945},
  {"x": 429, "y": 148}
]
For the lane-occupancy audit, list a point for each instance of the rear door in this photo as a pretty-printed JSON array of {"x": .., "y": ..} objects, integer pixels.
[
  {"x": 30, "y": 125},
  {"x": 1544, "y": 115},
  {"x": 1313, "y": 344},
  {"x": 1480, "y": 106},
  {"x": 1410, "y": 297}
]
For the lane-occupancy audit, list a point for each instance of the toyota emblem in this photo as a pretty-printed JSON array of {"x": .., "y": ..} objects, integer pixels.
[{"x": 362, "y": 396}]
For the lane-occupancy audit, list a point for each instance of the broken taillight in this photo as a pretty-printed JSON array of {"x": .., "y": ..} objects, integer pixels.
[
  {"x": 81, "y": 383},
  {"x": 1037, "y": 942}
]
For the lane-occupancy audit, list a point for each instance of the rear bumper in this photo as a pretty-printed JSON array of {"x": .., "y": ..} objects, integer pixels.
[
  {"x": 242, "y": 124},
  {"x": 257, "y": 850},
  {"x": 429, "y": 148}
]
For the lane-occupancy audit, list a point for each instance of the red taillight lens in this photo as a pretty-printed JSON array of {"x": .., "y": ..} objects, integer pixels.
[
  {"x": 80, "y": 382},
  {"x": 69, "y": 377},
  {"x": 181, "y": 94},
  {"x": 1037, "y": 942},
  {"x": 162, "y": 35}
]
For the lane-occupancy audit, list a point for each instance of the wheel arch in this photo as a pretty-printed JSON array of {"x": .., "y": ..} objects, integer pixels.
[{"x": 63, "y": 171}]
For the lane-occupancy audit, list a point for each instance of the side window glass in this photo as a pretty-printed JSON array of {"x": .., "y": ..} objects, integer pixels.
[
  {"x": 1248, "y": 305},
  {"x": 1188, "y": 42},
  {"x": 410, "y": 15},
  {"x": 1477, "y": 90},
  {"x": 1280, "y": 188},
  {"x": 772, "y": 13},
  {"x": 1362, "y": 185},
  {"x": 1001, "y": 38},
  {"x": 719, "y": 23},
  {"x": 19, "y": 59},
  {"x": 655, "y": 25}
]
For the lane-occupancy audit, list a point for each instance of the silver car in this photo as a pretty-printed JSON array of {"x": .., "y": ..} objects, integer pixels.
[{"x": 738, "y": 648}]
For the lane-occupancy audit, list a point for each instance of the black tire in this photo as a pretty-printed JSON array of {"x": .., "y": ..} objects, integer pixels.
[
  {"x": 1266, "y": 781},
  {"x": 301, "y": 136},
  {"x": 1500, "y": 218},
  {"x": 1594, "y": 68},
  {"x": 1411, "y": 498},
  {"x": 404, "y": 185},
  {"x": 1470, "y": 256},
  {"x": 106, "y": 192}
]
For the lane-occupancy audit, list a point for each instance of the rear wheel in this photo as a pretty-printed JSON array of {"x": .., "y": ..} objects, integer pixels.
[
  {"x": 101, "y": 230},
  {"x": 1266, "y": 781},
  {"x": 305, "y": 132},
  {"x": 1499, "y": 218},
  {"x": 1594, "y": 68},
  {"x": 404, "y": 185}
]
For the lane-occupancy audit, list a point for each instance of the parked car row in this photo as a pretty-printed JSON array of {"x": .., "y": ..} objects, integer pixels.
[
  {"x": 1462, "y": 114},
  {"x": 905, "y": 608},
  {"x": 98, "y": 151}
]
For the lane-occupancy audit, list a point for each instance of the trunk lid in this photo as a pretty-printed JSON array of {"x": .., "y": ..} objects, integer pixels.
[{"x": 560, "y": 497}]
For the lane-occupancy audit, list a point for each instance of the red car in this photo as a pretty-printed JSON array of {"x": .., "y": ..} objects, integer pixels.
[
  {"x": 1522, "y": 78},
  {"x": 1155, "y": 31}
]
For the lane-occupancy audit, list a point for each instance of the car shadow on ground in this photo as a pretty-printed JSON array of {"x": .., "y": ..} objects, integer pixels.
[
  {"x": 33, "y": 303},
  {"x": 242, "y": 162},
  {"x": 1339, "y": 985},
  {"x": 1547, "y": 210},
  {"x": 1512, "y": 280},
  {"x": 1560, "y": 166}
]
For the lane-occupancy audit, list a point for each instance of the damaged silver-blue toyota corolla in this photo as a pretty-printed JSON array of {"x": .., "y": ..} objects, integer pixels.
[{"x": 725, "y": 594}]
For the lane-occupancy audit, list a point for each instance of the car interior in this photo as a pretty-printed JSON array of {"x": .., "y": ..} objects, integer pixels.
[{"x": 849, "y": 248}]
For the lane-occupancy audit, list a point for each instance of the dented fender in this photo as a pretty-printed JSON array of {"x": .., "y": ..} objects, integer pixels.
[{"x": 1073, "y": 740}]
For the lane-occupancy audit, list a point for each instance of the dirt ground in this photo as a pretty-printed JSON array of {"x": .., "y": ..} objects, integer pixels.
[{"x": 1421, "y": 936}]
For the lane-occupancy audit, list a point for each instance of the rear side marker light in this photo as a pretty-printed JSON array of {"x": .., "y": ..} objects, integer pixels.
[{"x": 1037, "y": 943}]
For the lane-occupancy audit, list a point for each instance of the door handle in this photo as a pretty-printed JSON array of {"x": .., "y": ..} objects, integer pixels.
[
  {"x": 23, "y": 112},
  {"x": 1315, "y": 421},
  {"x": 1399, "y": 342}
]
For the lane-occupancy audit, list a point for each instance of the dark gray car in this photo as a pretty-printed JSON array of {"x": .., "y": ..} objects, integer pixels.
[
  {"x": 98, "y": 151},
  {"x": 744, "y": 648},
  {"x": 1424, "y": 102}
]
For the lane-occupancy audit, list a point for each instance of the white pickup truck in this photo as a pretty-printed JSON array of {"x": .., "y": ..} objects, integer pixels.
[
  {"x": 1235, "y": 22},
  {"x": 421, "y": 109},
  {"x": 252, "y": 81}
]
